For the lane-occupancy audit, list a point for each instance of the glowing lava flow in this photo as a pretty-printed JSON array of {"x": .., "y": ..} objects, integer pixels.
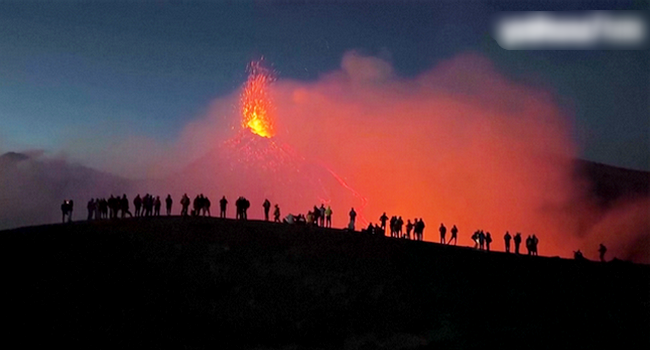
[
  {"x": 263, "y": 158},
  {"x": 256, "y": 105}
]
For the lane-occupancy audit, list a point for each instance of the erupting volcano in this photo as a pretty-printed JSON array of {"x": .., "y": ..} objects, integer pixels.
[{"x": 270, "y": 168}]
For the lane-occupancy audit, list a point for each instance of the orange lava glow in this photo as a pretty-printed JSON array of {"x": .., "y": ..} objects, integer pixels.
[{"x": 256, "y": 105}]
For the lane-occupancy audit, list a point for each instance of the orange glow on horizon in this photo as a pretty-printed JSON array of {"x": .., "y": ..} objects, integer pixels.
[{"x": 256, "y": 105}]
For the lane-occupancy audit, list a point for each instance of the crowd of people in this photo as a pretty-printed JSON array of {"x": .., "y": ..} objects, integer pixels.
[{"x": 320, "y": 216}]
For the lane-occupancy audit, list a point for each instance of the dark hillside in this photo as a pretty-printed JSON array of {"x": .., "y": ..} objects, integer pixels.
[{"x": 206, "y": 283}]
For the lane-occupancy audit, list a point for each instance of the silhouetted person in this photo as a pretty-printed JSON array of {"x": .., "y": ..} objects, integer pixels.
[
  {"x": 383, "y": 220},
  {"x": 454, "y": 235},
  {"x": 409, "y": 228},
  {"x": 533, "y": 244},
  {"x": 222, "y": 206},
  {"x": 276, "y": 214},
  {"x": 156, "y": 206},
  {"x": 398, "y": 227},
  {"x": 124, "y": 206},
  {"x": 206, "y": 206},
  {"x": 353, "y": 217},
  {"x": 577, "y": 255},
  {"x": 267, "y": 207},
  {"x": 419, "y": 227},
  {"x": 91, "y": 208},
  {"x": 137, "y": 204},
  {"x": 322, "y": 215},
  {"x": 488, "y": 240},
  {"x": 506, "y": 239},
  {"x": 246, "y": 204},
  {"x": 328, "y": 217},
  {"x": 443, "y": 232},
  {"x": 481, "y": 240},
  {"x": 185, "y": 204},
  {"x": 602, "y": 250},
  {"x": 475, "y": 239},
  {"x": 529, "y": 245},
  {"x": 168, "y": 204},
  {"x": 517, "y": 240},
  {"x": 393, "y": 225},
  {"x": 66, "y": 210},
  {"x": 239, "y": 212}
]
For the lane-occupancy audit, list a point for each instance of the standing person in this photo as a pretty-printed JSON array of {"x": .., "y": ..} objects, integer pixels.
[
  {"x": 488, "y": 240},
  {"x": 322, "y": 215},
  {"x": 481, "y": 240},
  {"x": 507, "y": 239},
  {"x": 383, "y": 220},
  {"x": 409, "y": 227},
  {"x": 157, "y": 205},
  {"x": 517, "y": 240},
  {"x": 276, "y": 214},
  {"x": 443, "y": 232},
  {"x": 529, "y": 245},
  {"x": 206, "y": 206},
  {"x": 168, "y": 204},
  {"x": 421, "y": 229},
  {"x": 454, "y": 233},
  {"x": 124, "y": 206},
  {"x": 91, "y": 209},
  {"x": 328, "y": 217},
  {"x": 353, "y": 216},
  {"x": 398, "y": 227},
  {"x": 475, "y": 239},
  {"x": 534, "y": 241},
  {"x": 185, "y": 204},
  {"x": 267, "y": 207},
  {"x": 222, "y": 206},
  {"x": 602, "y": 250}
]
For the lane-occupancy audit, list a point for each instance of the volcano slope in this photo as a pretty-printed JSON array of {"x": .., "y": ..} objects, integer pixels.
[{"x": 218, "y": 283}]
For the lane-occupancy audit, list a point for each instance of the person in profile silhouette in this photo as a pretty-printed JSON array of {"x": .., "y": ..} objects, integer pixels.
[
  {"x": 124, "y": 206},
  {"x": 66, "y": 210},
  {"x": 353, "y": 217},
  {"x": 443, "y": 232},
  {"x": 475, "y": 239},
  {"x": 137, "y": 204},
  {"x": 517, "y": 240},
  {"x": 168, "y": 204},
  {"x": 185, "y": 204},
  {"x": 267, "y": 208},
  {"x": 393, "y": 226},
  {"x": 454, "y": 235},
  {"x": 488, "y": 240},
  {"x": 157, "y": 204},
  {"x": 529, "y": 245},
  {"x": 577, "y": 255},
  {"x": 409, "y": 228},
  {"x": 328, "y": 217},
  {"x": 91, "y": 208},
  {"x": 222, "y": 207},
  {"x": 506, "y": 239},
  {"x": 276, "y": 213},
  {"x": 602, "y": 250},
  {"x": 206, "y": 206},
  {"x": 383, "y": 220}
]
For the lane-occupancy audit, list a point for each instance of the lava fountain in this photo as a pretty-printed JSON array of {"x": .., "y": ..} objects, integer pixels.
[{"x": 273, "y": 168}]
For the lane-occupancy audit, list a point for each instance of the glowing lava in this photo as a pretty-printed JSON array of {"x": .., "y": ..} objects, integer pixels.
[{"x": 256, "y": 105}]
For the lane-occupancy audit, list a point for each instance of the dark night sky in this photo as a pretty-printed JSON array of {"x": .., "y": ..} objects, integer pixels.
[{"x": 113, "y": 68}]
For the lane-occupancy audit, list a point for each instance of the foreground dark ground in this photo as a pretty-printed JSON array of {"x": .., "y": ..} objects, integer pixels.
[{"x": 211, "y": 283}]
